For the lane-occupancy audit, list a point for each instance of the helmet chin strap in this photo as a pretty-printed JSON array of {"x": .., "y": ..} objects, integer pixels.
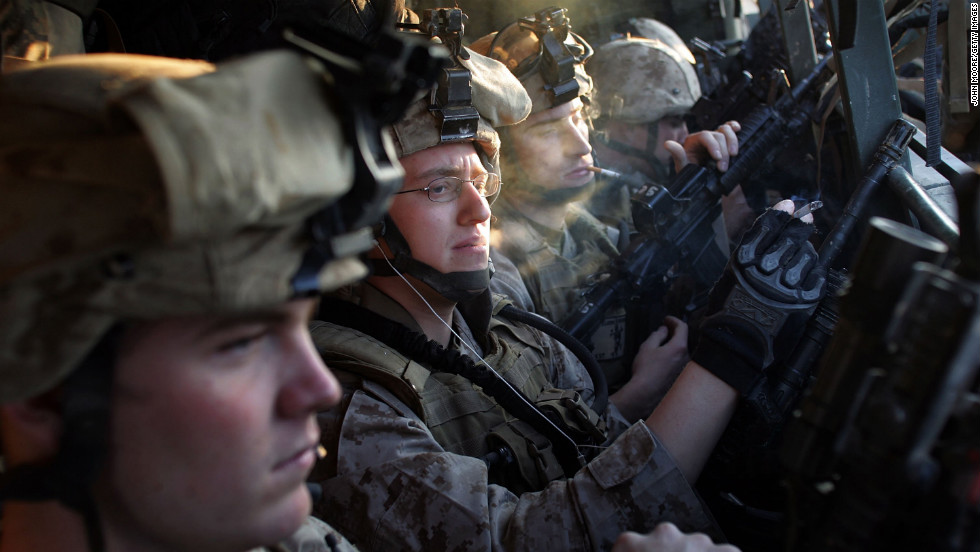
[
  {"x": 648, "y": 154},
  {"x": 455, "y": 286}
]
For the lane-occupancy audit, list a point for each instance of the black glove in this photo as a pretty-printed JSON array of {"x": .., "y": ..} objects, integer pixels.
[{"x": 759, "y": 307}]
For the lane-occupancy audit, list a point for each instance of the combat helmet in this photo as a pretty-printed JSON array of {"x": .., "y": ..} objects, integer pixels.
[
  {"x": 473, "y": 98},
  {"x": 639, "y": 80},
  {"x": 542, "y": 51},
  {"x": 124, "y": 197},
  {"x": 138, "y": 188},
  {"x": 646, "y": 27}
]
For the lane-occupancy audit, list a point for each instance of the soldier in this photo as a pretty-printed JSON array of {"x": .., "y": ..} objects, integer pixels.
[
  {"x": 556, "y": 244},
  {"x": 441, "y": 441},
  {"x": 644, "y": 87},
  {"x": 158, "y": 384}
]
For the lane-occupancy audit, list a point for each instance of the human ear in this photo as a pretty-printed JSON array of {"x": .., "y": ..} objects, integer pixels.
[{"x": 31, "y": 429}]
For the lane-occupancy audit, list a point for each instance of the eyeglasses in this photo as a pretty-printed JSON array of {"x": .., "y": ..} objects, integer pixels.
[{"x": 447, "y": 188}]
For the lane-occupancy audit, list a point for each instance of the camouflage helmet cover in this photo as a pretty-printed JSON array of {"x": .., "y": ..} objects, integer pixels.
[
  {"x": 496, "y": 94},
  {"x": 652, "y": 29},
  {"x": 137, "y": 187},
  {"x": 641, "y": 81}
]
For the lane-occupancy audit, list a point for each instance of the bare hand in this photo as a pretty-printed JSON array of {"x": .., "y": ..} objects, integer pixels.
[
  {"x": 664, "y": 351},
  {"x": 659, "y": 360},
  {"x": 666, "y": 537},
  {"x": 737, "y": 212},
  {"x": 719, "y": 145}
]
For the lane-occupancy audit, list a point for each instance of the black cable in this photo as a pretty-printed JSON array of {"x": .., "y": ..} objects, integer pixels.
[
  {"x": 439, "y": 359},
  {"x": 601, "y": 398}
]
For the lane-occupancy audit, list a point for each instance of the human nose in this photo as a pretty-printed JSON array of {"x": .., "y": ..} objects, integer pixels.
[
  {"x": 576, "y": 139},
  {"x": 473, "y": 206},
  {"x": 309, "y": 386}
]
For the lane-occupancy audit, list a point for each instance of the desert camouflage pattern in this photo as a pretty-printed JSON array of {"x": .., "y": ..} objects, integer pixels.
[
  {"x": 34, "y": 30},
  {"x": 497, "y": 95},
  {"x": 557, "y": 268},
  {"x": 395, "y": 486},
  {"x": 459, "y": 415},
  {"x": 313, "y": 536},
  {"x": 638, "y": 80},
  {"x": 652, "y": 29},
  {"x": 145, "y": 187}
]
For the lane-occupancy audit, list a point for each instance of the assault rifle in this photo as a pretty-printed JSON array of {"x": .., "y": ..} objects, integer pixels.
[
  {"x": 744, "y": 465},
  {"x": 674, "y": 221},
  {"x": 884, "y": 453}
]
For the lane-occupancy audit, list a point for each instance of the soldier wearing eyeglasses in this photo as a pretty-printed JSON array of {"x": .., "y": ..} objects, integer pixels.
[{"x": 464, "y": 424}]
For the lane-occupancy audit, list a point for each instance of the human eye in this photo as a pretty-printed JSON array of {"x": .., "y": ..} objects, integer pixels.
[
  {"x": 546, "y": 130},
  {"x": 241, "y": 341},
  {"x": 442, "y": 189},
  {"x": 480, "y": 183}
]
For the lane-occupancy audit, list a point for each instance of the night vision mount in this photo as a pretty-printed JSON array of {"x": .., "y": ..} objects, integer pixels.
[
  {"x": 376, "y": 83},
  {"x": 452, "y": 99},
  {"x": 557, "y": 52}
]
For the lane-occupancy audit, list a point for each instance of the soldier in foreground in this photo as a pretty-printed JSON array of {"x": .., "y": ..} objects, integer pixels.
[
  {"x": 158, "y": 384},
  {"x": 441, "y": 441}
]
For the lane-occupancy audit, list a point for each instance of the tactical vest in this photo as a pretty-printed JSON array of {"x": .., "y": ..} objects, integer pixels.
[
  {"x": 461, "y": 417},
  {"x": 556, "y": 283}
]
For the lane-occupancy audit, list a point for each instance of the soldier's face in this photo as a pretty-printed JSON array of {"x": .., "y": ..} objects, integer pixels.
[
  {"x": 552, "y": 147},
  {"x": 213, "y": 430},
  {"x": 452, "y": 236}
]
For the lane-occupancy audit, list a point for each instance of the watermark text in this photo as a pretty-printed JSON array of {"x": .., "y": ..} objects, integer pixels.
[{"x": 975, "y": 54}]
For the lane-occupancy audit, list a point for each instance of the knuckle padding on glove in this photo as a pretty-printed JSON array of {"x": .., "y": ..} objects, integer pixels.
[{"x": 759, "y": 307}]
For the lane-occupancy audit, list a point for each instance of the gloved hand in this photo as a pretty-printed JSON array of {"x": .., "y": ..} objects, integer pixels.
[{"x": 759, "y": 307}]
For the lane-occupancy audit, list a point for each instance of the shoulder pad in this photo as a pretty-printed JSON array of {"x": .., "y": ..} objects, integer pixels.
[{"x": 348, "y": 350}]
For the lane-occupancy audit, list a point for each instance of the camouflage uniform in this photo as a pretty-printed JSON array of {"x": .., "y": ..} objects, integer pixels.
[
  {"x": 313, "y": 536},
  {"x": 404, "y": 467},
  {"x": 558, "y": 267},
  {"x": 404, "y": 470}
]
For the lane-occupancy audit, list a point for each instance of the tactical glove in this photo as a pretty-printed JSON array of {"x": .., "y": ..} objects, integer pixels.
[{"x": 759, "y": 307}]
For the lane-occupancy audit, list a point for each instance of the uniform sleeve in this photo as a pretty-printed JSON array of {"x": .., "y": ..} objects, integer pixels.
[{"x": 397, "y": 489}]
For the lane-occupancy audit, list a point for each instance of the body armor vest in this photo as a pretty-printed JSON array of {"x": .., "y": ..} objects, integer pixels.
[
  {"x": 556, "y": 283},
  {"x": 461, "y": 417}
]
